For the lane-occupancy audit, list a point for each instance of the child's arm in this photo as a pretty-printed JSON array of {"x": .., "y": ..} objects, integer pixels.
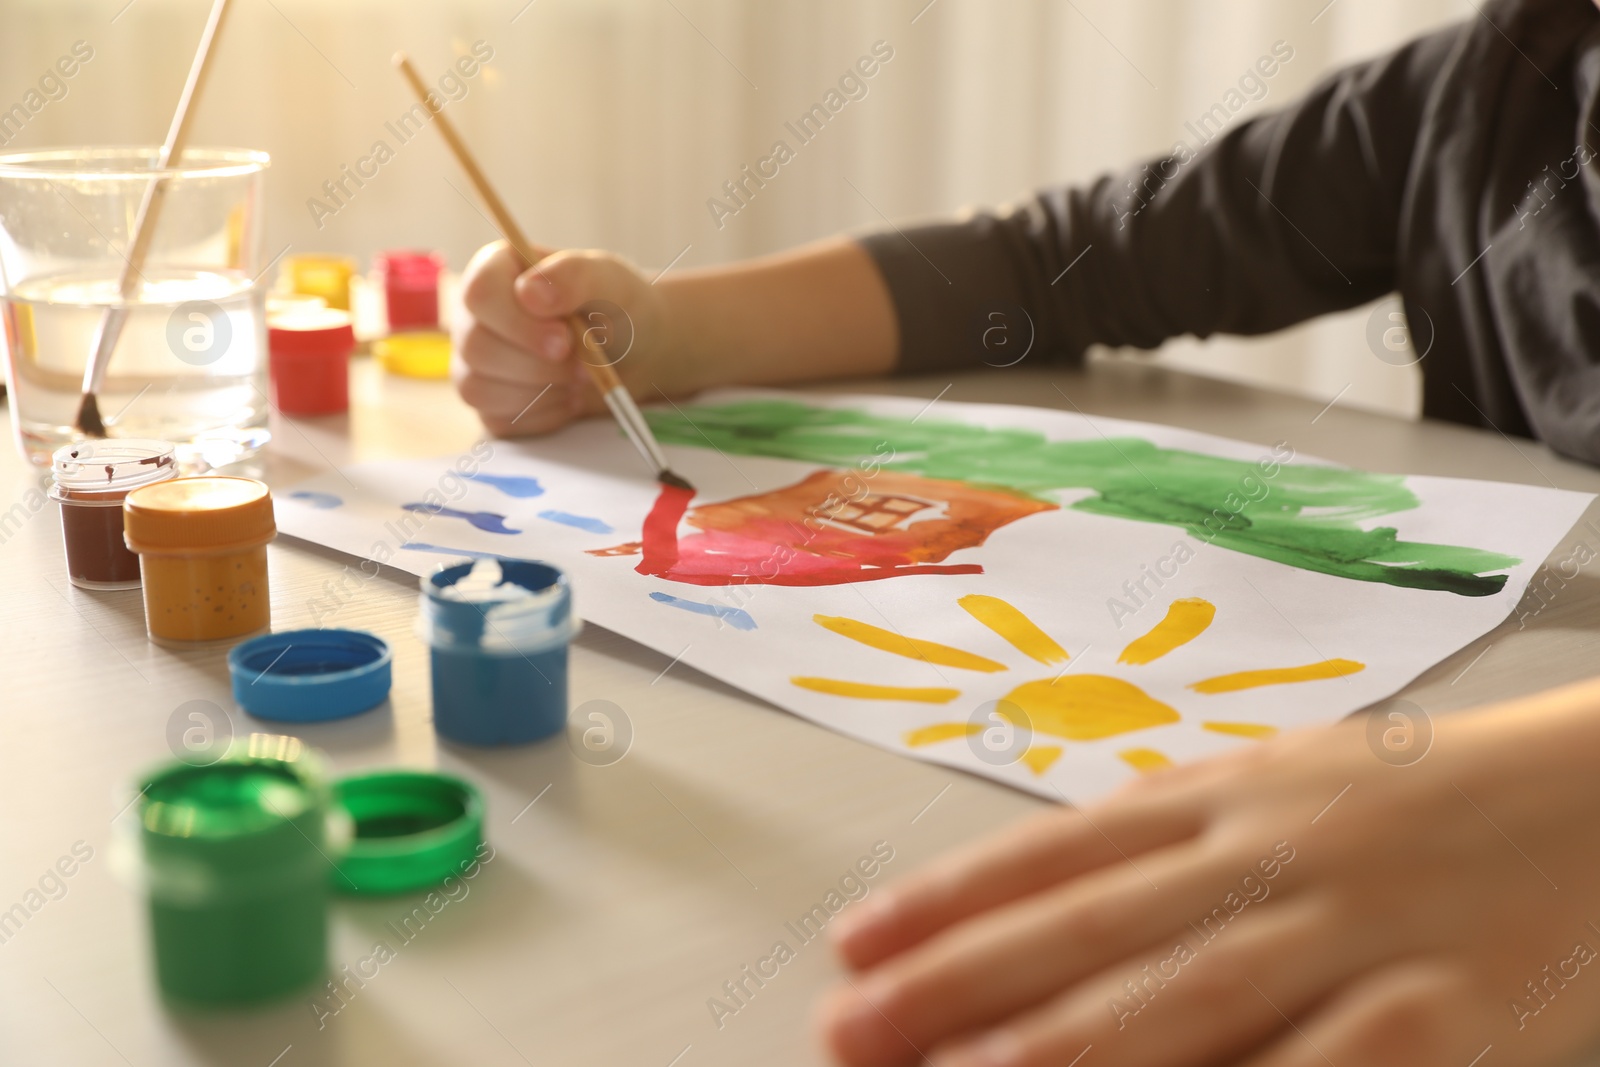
[
  {"x": 821, "y": 311},
  {"x": 1279, "y": 218},
  {"x": 1282, "y": 217}
]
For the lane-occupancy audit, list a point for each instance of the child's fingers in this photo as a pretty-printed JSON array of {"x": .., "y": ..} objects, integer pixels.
[
  {"x": 1182, "y": 1002},
  {"x": 983, "y": 971},
  {"x": 564, "y": 282},
  {"x": 511, "y": 409},
  {"x": 489, "y": 299},
  {"x": 1401, "y": 1016},
  {"x": 482, "y": 350},
  {"x": 1032, "y": 855}
]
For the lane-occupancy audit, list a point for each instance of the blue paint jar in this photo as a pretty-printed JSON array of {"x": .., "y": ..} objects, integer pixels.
[{"x": 498, "y": 630}]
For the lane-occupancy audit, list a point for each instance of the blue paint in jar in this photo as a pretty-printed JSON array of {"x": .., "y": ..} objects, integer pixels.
[{"x": 498, "y": 630}]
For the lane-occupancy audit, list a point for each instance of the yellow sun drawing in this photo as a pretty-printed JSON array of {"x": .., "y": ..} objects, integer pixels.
[{"x": 1070, "y": 706}]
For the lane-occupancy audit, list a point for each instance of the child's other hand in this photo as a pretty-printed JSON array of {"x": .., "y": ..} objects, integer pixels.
[
  {"x": 1299, "y": 903},
  {"x": 518, "y": 350}
]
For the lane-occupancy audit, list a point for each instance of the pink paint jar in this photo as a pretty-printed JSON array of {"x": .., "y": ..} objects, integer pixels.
[{"x": 411, "y": 288}]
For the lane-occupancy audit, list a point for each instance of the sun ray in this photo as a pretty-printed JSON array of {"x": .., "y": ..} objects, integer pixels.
[
  {"x": 1186, "y": 620},
  {"x": 909, "y": 647},
  {"x": 867, "y": 691},
  {"x": 1145, "y": 760},
  {"x": 940, "y": 731},
  {"x": 1310, "y": 672},
  {"x": 1021, "y": 632},
  {"x": 1241, "y": 729},
  {"x": 1040, "y": 758}
]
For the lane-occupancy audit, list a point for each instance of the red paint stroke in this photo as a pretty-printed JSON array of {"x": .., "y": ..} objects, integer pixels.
[{"x": 660, "y": 552}]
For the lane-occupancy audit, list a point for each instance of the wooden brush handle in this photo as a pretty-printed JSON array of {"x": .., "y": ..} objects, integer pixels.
[
  {"x": 144, "y": 227},
  {"x": 502, "y": 217},
  {"x": 144, "y": 223},
  {"x": 604, "y": 377},
  {"x": 173, "y": 147}
]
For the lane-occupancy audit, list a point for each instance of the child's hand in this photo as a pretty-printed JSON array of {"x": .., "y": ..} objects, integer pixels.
[
  {"x": 518, "y": 349},
  {"x": 1300, "y": 903}
]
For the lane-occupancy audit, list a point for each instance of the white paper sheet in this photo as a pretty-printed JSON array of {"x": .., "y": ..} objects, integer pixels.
[{"x": 1043, "y": 570}]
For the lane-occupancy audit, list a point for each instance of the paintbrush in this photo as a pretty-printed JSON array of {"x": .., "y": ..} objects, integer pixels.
[
  {"x": 144, "y": 228},
  {"x": 615, "y": 394}
]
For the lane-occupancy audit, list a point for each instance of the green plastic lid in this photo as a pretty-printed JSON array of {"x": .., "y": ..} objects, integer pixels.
[{"x": 410, "y": 830}]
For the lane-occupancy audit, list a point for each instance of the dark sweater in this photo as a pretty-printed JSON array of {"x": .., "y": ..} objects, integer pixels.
[{"x": 1460, "y": 170}]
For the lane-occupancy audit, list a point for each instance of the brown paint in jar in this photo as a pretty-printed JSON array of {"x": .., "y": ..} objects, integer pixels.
[{"x": 91, "y": 479}]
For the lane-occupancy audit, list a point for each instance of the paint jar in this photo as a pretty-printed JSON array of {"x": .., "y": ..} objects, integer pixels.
[
  {"x": 310, "y": 359},
  {"x": 91, "y": 479},
  {"x": 235, "y": 868},
  {"x": 202, "y": 547},
  {"x": 410, "y": 281},
  {"x": 290, "y": 303},
  {"x": 316, "y": 274},
  {"x": 498, "y": 630}
]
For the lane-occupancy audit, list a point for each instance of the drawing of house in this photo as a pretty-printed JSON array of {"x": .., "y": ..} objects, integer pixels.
[{"x": 831, "y": 528}]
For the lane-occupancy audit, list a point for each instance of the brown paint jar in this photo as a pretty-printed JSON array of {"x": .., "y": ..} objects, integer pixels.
[
  {"x": 91, "y": 479},
  {"x": 202, "y": 547}
]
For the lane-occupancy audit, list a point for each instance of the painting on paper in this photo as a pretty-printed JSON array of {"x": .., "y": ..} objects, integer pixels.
[{"x": 1054, "y": 600}]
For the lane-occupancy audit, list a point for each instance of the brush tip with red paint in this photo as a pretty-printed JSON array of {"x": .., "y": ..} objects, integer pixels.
[{"x": 669, "y": 477}]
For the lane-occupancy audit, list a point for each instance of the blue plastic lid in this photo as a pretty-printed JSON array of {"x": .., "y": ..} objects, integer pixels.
[{"x": 310, "y": 675}]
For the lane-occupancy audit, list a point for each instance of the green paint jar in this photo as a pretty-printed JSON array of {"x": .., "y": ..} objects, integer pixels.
[{"x": 235, "y": 865}]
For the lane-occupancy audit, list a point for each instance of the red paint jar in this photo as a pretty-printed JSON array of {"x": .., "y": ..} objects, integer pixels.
[
  {"x": 411, "y": 288},
  {"x": 310, "y": 358},
  {"x": 91, "y": 480}
]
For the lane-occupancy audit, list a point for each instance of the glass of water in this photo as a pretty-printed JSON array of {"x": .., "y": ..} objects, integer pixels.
[{"x": 190, "y": 363}]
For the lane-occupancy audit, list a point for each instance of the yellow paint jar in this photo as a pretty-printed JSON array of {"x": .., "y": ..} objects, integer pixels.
[
  {"x": 202, "y": 547},
  {"x": 315, "y": 274}
]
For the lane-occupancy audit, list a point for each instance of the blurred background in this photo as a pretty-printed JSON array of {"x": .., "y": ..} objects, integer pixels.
[{"x": 611, "y": 123}]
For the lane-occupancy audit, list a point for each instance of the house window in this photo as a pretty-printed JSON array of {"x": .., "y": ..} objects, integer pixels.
[{"x": 878, "y": 513}]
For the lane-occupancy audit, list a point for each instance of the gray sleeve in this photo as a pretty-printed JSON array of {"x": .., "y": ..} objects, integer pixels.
[{"x": 1272, "y": 221}]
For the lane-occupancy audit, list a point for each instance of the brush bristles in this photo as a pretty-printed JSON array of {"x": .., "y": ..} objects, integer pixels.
[
  {"x": 672, "y": 478},
  {"x": 89, "y": 420}
]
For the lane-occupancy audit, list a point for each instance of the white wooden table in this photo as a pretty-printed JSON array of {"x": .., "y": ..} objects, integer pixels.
[{"x": 621, "y": 897}]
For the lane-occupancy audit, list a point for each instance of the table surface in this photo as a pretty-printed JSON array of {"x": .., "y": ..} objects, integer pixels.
[{"x": 620, "y": 898}]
